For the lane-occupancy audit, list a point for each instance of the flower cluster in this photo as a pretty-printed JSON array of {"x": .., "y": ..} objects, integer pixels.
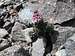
[{"x": 37, "y": 16}]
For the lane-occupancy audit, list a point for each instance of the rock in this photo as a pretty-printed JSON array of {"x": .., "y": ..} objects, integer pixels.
[
  {"x": 13, "y": 12},
  {"x": 4, "y": 44},
  {"x": 22, "y": 35},
  {"x": 16, "y": 29},
  {"x": 48, "y": 9},
  {"x": 69, "y": 47},
  {"x": 27, "y": 33},
  {"x": 26, "y": 15},
  {"x": 19, "y": 1},
  {"x": 4, "y": 13},
  {"x": 15, "y": 16},
  {"x": 5, "y": 3},
  {"x": 13, "y": 19},
  {"x": 22, "y": 52},
  {"x": 9, "y": 23},
  {"x": 3, "y": 33},
  {"x": 6, "y": 25},
  {"x": 18, "y": 26},
  {"x": 4, "y": 0},
  {"x": 61, "y": 52},
  {"x": 15, "y": 50},
  {"x": 18, "y": 49},
  {"x": 67, "y": 1},
  {"x": 18, "y": 7},
  {"x": 38, "y": 48},
  {"x": 64, "y": 34},
  {"x": 64, "y": 11},
  {"x": 1, "y": 3},
  {"x": 58, "y": 12},
  {"x": 9, "y": 51}
]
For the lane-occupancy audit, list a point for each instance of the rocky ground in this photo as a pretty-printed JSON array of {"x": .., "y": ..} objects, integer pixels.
[{"x": 15, "y": 16}]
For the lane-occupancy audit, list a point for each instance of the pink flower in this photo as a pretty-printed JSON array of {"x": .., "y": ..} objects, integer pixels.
[{"x": 37, "y": 16}]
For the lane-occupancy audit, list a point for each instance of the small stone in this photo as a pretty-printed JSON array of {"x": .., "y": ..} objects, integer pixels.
[
  {"x": 3, "y": 33},
  {"x": 1, "y": 3},
  {"x": 18, "y": 7},
  {"x": 61, "y": 53},
  {"x": 26, "y": 34},
  {"x": 18, "y": 26},
  {"x": 6, "y": 24},
  {"x": 13, "y": 12},
  {"x": 4, "y": 44}
]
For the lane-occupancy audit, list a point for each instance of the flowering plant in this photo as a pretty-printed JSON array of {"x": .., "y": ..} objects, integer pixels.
[{"x": 37, "y": 16}]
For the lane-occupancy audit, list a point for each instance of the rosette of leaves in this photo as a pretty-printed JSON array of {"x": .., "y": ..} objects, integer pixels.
[
  {"x": 43, "y": 27},
  {"x": 46, "y": 30}
]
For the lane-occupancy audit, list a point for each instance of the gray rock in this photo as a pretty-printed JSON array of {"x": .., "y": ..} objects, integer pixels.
[
  {"x": 22, "y": 35},
  {"x": 64, "y": 34},
  {"x": 1, "y": 3},
  {"x": 13, "y": 19},
  {"x": 57, "y": 12},
  {"x": 48, "y": 9},
  {"x": 18, "y": 7},
  {"x": 9, "y": 51},
  {"x": 3, "y": 33},
  {"x": 69, "y": 47},
  {"x": 4, "y": 44},
  {"x": 64, "y": 11},
  {"x": 61, "y": 53},
  {"x": 16, "y": 30},
  {"x": 18, "y": 49},
  {"x": 26, "y": 15},
  {"x": 68, "y": 1},
  {"x": 17, "y": 27},
  {"x": 22, "y": 52},
  {"x": 38, "y": 48},
  {"x": 18, "y": 0},
  {"x": 5, "y": 0},
  {"x": 7, "y": 25},
  {"x": 26, "y": 34}
]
